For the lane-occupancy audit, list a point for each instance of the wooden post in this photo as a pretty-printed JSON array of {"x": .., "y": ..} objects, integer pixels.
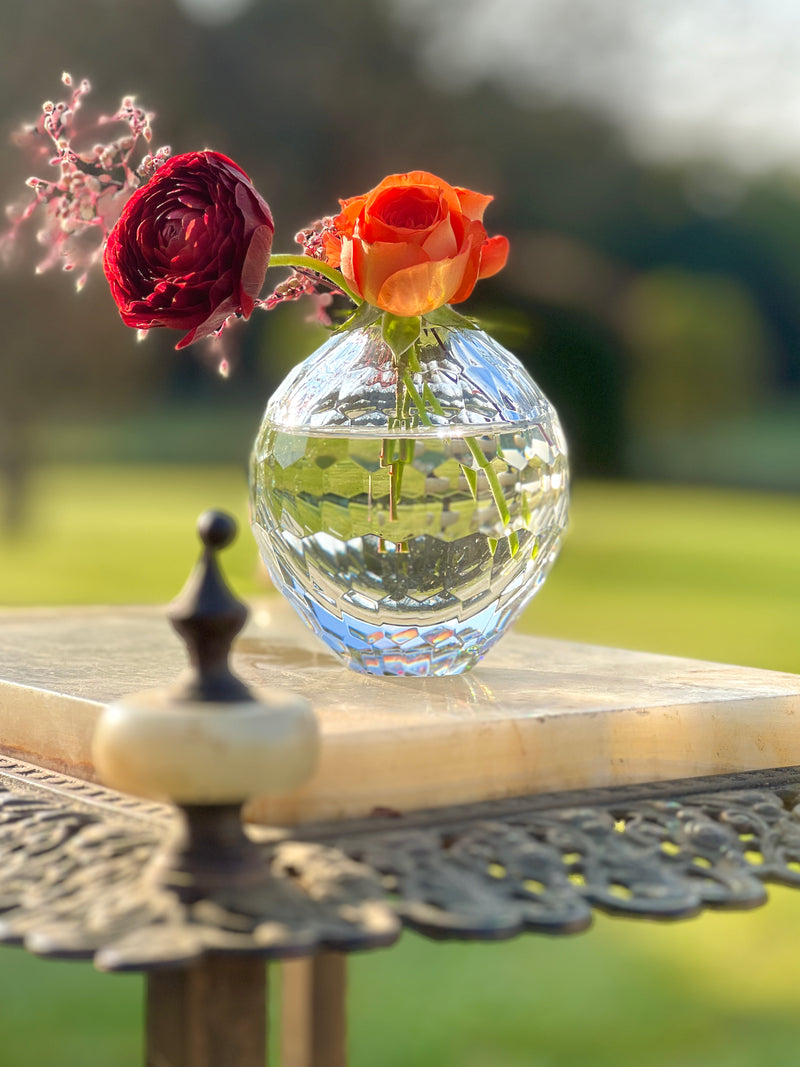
[
  {"x": 210, "y": 1014},
  {"x": 314, "y": 1016}
]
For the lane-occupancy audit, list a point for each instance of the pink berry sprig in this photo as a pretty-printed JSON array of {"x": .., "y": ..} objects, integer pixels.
[{"x": 83, "y": 200}]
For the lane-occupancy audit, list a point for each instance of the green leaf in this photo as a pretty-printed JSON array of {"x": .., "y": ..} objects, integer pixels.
[
  {"x": 364, "y": 315},
  {"x": 417, "y": 400},
  {"x": 445, "y": 316},
  {"x": 472, "y": 481},
  {"x": 429, "y": 398},
  {"x": 400, "y": 333}
]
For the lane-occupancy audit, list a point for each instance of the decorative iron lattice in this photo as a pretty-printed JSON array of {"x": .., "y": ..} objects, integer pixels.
[
  {"x": 75, "y": 869},
  {"x": 77, "y": 880},
  {"x": 532, "y": 867}
]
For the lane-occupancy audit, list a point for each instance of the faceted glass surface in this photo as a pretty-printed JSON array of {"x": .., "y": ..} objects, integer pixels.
[{"x": 409, "y": 516}]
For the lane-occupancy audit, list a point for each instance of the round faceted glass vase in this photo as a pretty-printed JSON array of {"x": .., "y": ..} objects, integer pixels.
[{"x": 409, "y": 508}]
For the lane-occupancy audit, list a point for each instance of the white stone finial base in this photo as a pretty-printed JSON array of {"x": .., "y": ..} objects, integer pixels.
[{"x": 206, "y": 753}]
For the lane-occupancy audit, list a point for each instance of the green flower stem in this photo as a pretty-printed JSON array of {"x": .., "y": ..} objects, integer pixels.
[
  {"x": 413, "y": 360},
  {"x": 416, "y": 399},
  {"x": 472, "y": 444},
  {"x": 496, "y": 488},
  {"x": 287, "y": 259},
  {"x": 428, "y": 397},
  {"x": 392, "y": 449},
  {"x": 401, "y": 402},
  {"x": 407, "y": 390}
]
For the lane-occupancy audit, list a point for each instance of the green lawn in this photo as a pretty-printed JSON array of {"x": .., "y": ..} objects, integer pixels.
[{"x": 694, "y": 572}]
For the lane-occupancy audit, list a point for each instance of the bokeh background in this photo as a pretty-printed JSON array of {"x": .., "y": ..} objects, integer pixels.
[
  {"x": 643, "y": 158},
  {"x": 645, "y": 162}
]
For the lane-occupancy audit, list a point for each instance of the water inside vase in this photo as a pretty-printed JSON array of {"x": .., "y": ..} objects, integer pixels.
[{"x": 409, "y": 554}]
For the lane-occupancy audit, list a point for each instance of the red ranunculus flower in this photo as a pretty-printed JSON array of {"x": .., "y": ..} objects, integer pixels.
[
  {"x": 191, "y": 247},
  {"x": 414, "y": 243}
]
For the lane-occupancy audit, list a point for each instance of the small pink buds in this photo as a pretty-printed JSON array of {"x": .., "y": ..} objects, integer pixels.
[{"x": 86, "y": 195}]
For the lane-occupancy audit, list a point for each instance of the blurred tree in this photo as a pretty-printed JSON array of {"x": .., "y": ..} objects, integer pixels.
[
  {"x": 56, "y": 366},
  {"x": 697, "y": 349},
  {"x": 318, "y": 101}
]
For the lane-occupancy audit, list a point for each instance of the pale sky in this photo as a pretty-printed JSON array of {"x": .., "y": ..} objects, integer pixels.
[{"x": 716, "y": 79}]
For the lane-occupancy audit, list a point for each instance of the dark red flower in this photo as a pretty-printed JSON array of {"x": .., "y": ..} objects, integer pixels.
[{"x": 191, "y": 247}]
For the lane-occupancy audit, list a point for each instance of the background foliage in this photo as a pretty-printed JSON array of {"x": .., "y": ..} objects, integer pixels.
[{"x": 656, "y": 303}]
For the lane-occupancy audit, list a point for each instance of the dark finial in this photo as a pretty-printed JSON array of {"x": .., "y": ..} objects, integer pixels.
[
  {"x": 216, "y": 529},
  {"x": 208, "y": 617}
]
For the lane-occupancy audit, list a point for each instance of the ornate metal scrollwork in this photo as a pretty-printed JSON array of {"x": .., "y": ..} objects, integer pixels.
[
  {"x": 75, "y": 863},
  {"x": 76, "y": 880},
  {"x": 541, "y": 867}
]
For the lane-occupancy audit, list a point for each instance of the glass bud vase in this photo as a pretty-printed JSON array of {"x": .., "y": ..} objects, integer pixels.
[{"x": 409, "y": 508}]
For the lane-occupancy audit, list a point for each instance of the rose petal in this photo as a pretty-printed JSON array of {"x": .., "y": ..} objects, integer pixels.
[
  {"x": 403, "y": 214},
  {"x": 473, "y": 204},
  {"x": 470, "y": 275},
  {"x": 494, "y": 254},
  {"x": 422, "y": 288},
  {"x": 346, "y": 220},
  {"x": 333, "y": 249},
  {"x": 416, "y": 178},
  {"x": 441, "y": 241},
  {"x": 400, "y": 255},
  {"x": 366, "y": 267}
]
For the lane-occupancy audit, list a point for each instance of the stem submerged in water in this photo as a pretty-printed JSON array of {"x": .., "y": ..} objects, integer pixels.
[
  {"x": 395, "y": 453},
  {"x": 496, "y": 488}
]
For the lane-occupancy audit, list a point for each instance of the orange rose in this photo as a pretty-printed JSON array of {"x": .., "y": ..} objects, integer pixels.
[{"x": 414, "y": 243}]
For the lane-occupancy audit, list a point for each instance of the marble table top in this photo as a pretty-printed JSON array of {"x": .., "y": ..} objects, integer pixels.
[{"x": 537, "y": 715}]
